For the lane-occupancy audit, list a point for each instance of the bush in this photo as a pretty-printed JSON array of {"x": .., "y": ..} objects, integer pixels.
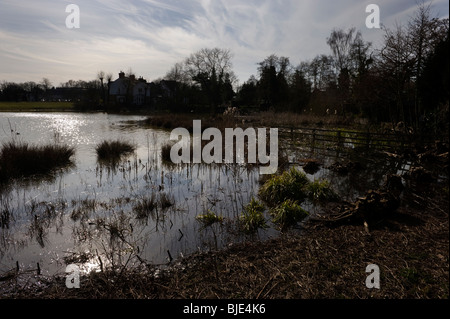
[{"x": 252, "y": 217}]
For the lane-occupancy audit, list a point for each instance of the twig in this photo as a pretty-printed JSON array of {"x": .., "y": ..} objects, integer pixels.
[{"x": 271, "y": 278}]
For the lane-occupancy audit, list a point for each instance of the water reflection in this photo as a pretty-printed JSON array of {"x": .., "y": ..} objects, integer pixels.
[{"x": 140, "y": 209}]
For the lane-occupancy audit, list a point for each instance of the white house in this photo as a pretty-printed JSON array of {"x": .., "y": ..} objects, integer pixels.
[{"x": 129, "y": 90}]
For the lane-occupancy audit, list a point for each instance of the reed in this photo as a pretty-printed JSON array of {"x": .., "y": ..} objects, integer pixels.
[
  {"x": 209, "y": 218},
  {"x": 320, "y": 190},
  {"x": 113, "y": 150},
  {"x": 289, "y": 185},
  {"x": 252, "y": 217},
  {"x": 19, "y": 159},
  {"x": 288, "y": 213}
]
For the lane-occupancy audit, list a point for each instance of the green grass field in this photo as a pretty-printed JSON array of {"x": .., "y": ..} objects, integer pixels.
[{"x": 35, "y": 106}]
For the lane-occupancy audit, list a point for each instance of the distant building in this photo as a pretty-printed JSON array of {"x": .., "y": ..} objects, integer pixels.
[{"x": 129, "y": 91}]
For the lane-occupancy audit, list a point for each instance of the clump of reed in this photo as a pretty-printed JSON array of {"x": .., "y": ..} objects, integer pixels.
[
  {"x": 145, "y": 207},
  {"x": 148, "y": 206},
  {"x": 20, "y": 159},
  {"x": 320, "y": 190},
  {"x": 209, "y": 218},
  {"x": 165, "y": 153},
  {"x": 252, "y": 217},
  {"x": 285, "y": 192},
  {"x": 289, "y": 185},
  {"x": 113, "y": 150},
  {"x": 288, "y": 213}
]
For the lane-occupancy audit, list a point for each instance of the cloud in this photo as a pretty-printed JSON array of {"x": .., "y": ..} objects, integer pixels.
[{"x": 150, "y": 36}]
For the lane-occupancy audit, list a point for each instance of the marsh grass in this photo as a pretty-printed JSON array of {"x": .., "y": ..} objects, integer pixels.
[
  {"x": 165, "y": 153},
  {"x": 252, "y": 217},
  {"x": 289, "y": 185},
  {"x": 19, "y": 159},
  {"x": 209, "y": 218},
  {"x": 288, "y": 214},
  {"x": 113, "y": 150},
  {"x": 145, "y": 207},
  {"x": 166, "y": 201},
  {"x": 321, "y": 190}
]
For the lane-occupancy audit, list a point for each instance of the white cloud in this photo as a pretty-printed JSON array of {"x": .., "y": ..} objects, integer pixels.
[{"x": 151, "y": 35}]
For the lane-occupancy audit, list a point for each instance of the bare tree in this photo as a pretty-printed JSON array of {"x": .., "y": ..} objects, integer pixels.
[
  {"x": 109, "y": 77},
  {"x": 425, "y": 32},
  {"x": 402, "y": 58},
  {"x": 208, "y": 61},
  {"x": 177, "y": 73},
  {"x": 341, "y": 44},
  {"x": 46, "y": 84}
]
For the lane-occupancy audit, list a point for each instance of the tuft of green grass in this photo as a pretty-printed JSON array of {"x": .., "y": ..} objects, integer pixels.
[
  {"x": 209, "y": 218},
  {"x": 320, "y": 190},
  {"x": 287, "y": 214},
  {"x": 252, "y": 217},
  {"x": 113, "y": 150},
  {"x": 289, "y": 185},
  {"x": 19, "y": 159}
]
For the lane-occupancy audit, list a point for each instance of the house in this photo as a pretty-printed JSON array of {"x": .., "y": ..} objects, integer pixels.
[{"x": 129, "y": 91}]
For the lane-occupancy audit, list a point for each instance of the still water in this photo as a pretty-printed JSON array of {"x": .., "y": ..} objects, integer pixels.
[
  {"x": 89, "y": 213},
  {"x": 89, "y": 209}
]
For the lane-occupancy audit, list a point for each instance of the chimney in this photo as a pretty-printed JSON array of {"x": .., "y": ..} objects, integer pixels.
[
  {"x": 132, "y": 77},
  {"x": 121, "y": 75}
]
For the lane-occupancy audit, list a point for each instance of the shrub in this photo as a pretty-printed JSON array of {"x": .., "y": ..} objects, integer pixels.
[
  {"x": 288, "y": 214},
  {"x": 252, "y": 217}
]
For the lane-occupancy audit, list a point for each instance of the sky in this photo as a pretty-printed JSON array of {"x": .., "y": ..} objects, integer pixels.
[{"x": 150, "y": 36}]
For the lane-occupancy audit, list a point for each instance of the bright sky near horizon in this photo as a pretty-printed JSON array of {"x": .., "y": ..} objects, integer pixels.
[{"x": 150, "y": 36}]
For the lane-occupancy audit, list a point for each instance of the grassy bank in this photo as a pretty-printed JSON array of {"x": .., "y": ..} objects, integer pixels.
[
  {"x": 259, "y": 119},
  {"x": 35, "y": 106}
]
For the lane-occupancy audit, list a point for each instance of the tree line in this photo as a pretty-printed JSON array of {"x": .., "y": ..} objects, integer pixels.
[{"x": 406, "y": 79}]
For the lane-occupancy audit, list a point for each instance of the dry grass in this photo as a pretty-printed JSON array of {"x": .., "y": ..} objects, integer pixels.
[
  {"x": 19, "y": 159},
  {"x": 113, "y": 150}
]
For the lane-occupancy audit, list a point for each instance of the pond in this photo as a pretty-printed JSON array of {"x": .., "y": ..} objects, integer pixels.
[{"x": 94, "y": 215}]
